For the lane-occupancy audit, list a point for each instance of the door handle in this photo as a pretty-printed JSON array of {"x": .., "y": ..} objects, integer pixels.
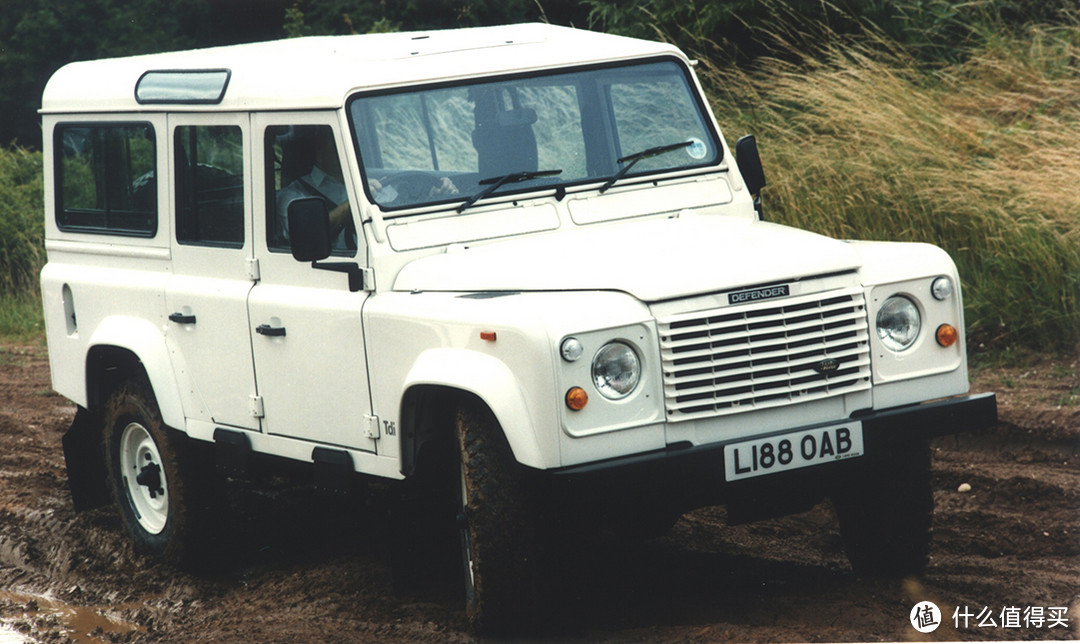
[
  {"x": 272, "y": 331},
  {"x": 180, "y": 318}
]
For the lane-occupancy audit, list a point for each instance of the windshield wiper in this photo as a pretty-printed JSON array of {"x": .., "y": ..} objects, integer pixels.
[
  {"x": 494, "y": 183},
  {"x": 638, "y": 156}
]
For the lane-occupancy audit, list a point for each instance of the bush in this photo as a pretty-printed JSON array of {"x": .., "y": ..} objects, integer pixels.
[{"x": 22, "y": 234}]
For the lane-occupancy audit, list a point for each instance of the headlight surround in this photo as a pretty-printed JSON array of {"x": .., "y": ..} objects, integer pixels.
[
  {"x": 898, "y": 323},
  {"x": 616, "y": 370}
]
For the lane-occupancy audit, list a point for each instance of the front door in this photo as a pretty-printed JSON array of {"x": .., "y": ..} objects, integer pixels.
[{"x": 305, "y": 324}]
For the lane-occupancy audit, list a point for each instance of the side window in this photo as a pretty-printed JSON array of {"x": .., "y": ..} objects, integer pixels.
[
  {"x": 106, "y": 178},
  {"x": 302, "y": 161},
  {"x": 209, "y": 180}
]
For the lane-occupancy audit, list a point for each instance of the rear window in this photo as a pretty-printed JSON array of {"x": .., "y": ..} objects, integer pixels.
[{"x": 106, "y": 178}]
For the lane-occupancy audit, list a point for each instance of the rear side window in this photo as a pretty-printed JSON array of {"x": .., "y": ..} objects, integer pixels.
[
  {"x": 106, "y": 178},
  {"x": 210, "y": 185}
]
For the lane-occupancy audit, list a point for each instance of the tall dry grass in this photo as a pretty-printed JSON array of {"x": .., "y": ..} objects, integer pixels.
[{"x": 862, "y": 141}]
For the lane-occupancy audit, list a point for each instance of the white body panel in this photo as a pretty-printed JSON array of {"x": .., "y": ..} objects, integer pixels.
[{"x": 476, "y": 301}]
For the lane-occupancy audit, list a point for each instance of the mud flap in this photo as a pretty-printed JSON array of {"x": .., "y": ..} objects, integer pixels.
[
  {"x": 334, "y": 471},
  {"x": 85, "y": 459}
]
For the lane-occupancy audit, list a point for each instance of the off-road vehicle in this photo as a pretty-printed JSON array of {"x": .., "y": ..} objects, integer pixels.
[{"x": 517, "y": 269}]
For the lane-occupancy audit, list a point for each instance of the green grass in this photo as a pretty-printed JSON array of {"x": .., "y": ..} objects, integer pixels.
[
  {"x": 982, "y": 158},
  {"x": 21, "y": 318}
]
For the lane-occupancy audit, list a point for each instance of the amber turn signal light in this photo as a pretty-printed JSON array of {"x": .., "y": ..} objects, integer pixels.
[
  {"x": 576, "y": 398},
  {"x": 946, "y": 335}
]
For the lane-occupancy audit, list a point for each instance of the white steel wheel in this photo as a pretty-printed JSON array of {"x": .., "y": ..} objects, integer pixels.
[
  {"x": 160, "y": 490},
  {"x": 466, "y": 540},
  {"x": 144, "y": 478}
]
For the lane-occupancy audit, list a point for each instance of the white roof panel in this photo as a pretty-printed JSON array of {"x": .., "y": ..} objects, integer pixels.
[{"x": 319, "y": 72}]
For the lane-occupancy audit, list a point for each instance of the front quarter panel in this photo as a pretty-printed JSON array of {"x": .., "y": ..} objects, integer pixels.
[{"x": 418, "y": 339}]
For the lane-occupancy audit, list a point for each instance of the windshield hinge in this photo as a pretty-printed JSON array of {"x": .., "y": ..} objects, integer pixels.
[{"x": 253, "y": 269}]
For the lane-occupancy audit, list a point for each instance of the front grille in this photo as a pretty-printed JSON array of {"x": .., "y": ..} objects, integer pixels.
[{"x": 767, "y": 354}]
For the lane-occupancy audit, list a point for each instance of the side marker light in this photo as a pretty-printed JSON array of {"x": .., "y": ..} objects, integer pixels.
[
  {"x": 947, "y": 335},
  {"x": 577, "y": 398}
]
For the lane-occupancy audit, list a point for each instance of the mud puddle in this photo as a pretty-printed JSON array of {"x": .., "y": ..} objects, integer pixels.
[{"x": 22, "y": 612}]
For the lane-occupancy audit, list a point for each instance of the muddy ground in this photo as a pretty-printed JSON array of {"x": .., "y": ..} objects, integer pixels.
[{"x": 296, "y": 571}]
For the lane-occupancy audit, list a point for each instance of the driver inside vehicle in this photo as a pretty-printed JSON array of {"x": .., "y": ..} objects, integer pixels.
[
  {"x": 311, "y": 155},
  {"x": 385, "y": 193},
  {"x": 324, "y": 180}
]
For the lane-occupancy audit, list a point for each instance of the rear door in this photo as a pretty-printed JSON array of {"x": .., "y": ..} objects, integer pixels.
[{"x": 212, "y": 254}]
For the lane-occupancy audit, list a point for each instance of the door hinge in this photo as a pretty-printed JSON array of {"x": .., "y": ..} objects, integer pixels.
[
  {"x": 257, "y": 406},
  {"x": 253, "y": 269},
  {"x": 369, "y": 278},
  {"x": 371, "y": 428}
]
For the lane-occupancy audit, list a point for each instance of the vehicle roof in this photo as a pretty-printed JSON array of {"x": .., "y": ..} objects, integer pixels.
[{"x": 319, "y": 72}]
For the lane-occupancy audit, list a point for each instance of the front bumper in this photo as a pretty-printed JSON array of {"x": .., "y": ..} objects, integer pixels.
[{"x": 684, "y": 476}]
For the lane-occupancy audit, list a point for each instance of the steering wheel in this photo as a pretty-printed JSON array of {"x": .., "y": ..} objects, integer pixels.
[{"x": 411, "y": 185}]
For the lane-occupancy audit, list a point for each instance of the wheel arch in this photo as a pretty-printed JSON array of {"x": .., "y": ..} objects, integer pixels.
[
  {"x": 126, "y": 348},
  {"x": 440, "y": 381}
]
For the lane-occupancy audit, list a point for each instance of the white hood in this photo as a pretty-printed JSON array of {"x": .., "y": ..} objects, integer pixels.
[{"x": 650, "y": 259}]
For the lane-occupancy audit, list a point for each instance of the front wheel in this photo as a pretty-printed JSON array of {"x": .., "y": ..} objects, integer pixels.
[
  {"x": 145, "y": 474},
  {"x": 497, "y": 525},
  {"x": 885, "y": 513}
]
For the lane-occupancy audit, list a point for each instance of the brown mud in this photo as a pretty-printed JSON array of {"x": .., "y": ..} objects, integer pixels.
[{"x": 294, "y": 568}]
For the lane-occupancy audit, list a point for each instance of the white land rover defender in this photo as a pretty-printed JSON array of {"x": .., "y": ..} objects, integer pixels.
[{"x": 516, "y": 268}]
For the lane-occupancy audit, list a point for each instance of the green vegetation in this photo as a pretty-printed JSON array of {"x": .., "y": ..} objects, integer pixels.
[
  {"x": 21, "y": 318},
  {"x": 22, "y": 249},
  {"x": 862, "y": 141},
  {"x": 21, "y": 226},
  {"x": 955, "y": 123}
]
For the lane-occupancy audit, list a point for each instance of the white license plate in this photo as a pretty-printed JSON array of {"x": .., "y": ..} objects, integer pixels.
[{"x": 792, "y": 451}]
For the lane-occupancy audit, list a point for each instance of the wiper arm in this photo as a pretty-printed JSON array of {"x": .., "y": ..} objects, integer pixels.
[
  {"x": 638, "y": 156},
  {"x": 494, "y": 183}
]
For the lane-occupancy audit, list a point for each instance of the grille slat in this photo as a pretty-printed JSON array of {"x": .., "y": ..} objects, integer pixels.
[{"x": 765, "y": 354}]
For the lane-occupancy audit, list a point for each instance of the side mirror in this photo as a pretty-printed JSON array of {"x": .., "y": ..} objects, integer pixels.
[
  {"x": 746, "y": 156},
  {"x": 749, "y": 162},
  {"x": 309, "y": 229}
]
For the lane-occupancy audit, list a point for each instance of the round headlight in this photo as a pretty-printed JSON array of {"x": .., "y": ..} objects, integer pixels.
[
  {"x": 898, "y": 323},
  {"x": 616, "y": 370}
]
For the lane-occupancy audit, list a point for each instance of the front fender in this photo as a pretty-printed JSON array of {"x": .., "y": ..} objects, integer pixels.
[
  {"x": 147, "y": 343},
  {"x": 493, "y": 382}
]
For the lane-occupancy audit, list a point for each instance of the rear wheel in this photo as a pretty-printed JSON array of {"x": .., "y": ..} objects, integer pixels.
[
  {"x": 147, "y": 475},
  {"x": 885, "y": 513}
]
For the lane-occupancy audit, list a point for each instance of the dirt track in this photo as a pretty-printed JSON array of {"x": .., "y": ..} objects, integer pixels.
[{"x": 296, "y": 571}]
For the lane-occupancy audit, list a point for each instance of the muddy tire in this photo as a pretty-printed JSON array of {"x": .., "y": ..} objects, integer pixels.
[
  {"x": 885, "y": 513},
  {"x": 147, "y": 477},
  {"x": 497, "y": 526}
]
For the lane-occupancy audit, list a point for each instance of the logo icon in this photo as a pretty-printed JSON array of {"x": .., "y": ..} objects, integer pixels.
[
  {"x": 828, "y": 365},
  {"x": 925, "y": 617}
]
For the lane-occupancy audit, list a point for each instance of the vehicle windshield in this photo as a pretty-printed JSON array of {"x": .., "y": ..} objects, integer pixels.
[{"x": 450, "y": 143}]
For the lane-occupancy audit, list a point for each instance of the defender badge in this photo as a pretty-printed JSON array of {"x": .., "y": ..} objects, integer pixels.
[{"x": 755, "y": 294}]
